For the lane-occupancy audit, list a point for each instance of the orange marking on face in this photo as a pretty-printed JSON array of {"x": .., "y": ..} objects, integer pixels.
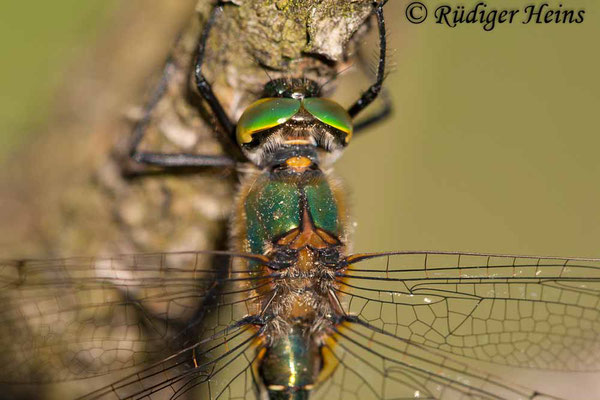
[{"x": 298, "y": 164}]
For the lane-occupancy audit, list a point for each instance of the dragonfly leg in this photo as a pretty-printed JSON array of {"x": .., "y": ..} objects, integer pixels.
[
  {"x": 373, "y": 91},
  {"x": 178, "y": 160},
  {"x": 204, "y": 86},
  {"x": 379, "y": 116}
]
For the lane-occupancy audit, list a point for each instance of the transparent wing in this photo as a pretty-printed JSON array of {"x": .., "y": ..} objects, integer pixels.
[
  {"x": 372, "y": 364},
  {"x": 173, "y": 325},
  {"x": 75, "y": 318},
  {"x": 542, "y": 313},
  {"x": 217, "y": 367}
]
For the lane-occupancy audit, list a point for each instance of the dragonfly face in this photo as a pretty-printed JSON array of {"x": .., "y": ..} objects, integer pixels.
[{"x": 292, "y": 120}]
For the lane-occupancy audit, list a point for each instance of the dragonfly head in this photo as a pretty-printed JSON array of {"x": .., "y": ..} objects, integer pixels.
[{"x": 292, "y": 115}]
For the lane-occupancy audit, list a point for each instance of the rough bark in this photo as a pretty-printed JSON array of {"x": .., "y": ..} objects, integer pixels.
[{"x": 64, "y": 194}]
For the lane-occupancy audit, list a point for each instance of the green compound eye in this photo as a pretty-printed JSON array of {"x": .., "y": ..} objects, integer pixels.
[
  {"x": 264, "y": 114},
  {"x": 330, "y": 113}
]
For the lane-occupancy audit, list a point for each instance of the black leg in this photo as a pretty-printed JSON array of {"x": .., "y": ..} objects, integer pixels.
[
  {"x": 386, "y": 105},
  {"x": 379, "y": 116},
  {"x": 170, "y": 160},
  {"x": 183, "y": 160},
  {"x": 139, "y": 130},
  {"x": 372, "y": 92},
  {"x": 204, "y": 87},
  {"x": 165, "y": 159}
]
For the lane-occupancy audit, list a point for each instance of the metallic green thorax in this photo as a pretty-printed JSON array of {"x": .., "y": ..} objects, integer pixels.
[
  {"x": 290, "y": 366},
  {"x": 322, "y": 207},
  {"x": 275, "y": 205}
]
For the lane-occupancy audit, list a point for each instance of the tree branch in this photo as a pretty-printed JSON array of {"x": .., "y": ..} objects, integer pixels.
[{"x": 65, "y": 194}]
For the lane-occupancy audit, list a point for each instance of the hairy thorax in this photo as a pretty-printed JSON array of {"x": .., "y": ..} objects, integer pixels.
[{"x": 303, "y": 294}]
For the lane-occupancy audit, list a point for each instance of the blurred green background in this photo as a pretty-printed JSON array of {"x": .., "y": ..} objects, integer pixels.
[
  {"x": 39, "y": 41},
  {"x": 494, "y": 143}
]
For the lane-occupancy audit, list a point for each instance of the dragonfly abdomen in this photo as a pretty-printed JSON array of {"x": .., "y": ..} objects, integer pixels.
[{"x": 290, "y": 366}]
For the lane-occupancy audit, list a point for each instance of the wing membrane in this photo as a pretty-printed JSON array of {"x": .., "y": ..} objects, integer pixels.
[
  {"x": 374, "y": 364},
  {"x": 217, "y": 367},
  {"x": 523, "y": 311},
  {"x": 176, "y": 324},
  {"x": 75, "y": 318}
]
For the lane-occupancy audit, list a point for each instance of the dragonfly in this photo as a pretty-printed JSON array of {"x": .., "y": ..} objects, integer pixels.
[{"x": 288, "y": 313}]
